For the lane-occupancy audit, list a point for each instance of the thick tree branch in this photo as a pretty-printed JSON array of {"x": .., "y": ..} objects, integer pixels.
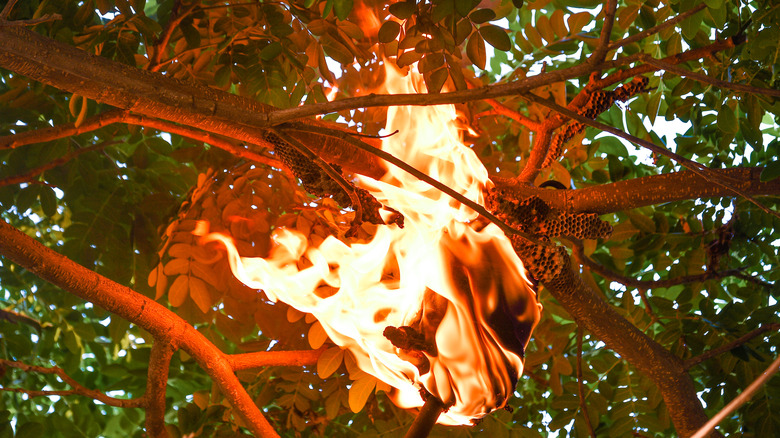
[
  {"x": 600, "y": 53},
  {"x": 78, "y": 389},
  {"x": 136, "y": 308},
  {"x": 666, "y": 370},
  {"x": 697, "y": 168},
  {"x": 246, "y": 361},
  {"x": 644, "y": 191},
  {"x": 690, "y": 363}
]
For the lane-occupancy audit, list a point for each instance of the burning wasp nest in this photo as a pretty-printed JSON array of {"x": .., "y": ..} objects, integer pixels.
[{"x": 533, "y": 216}]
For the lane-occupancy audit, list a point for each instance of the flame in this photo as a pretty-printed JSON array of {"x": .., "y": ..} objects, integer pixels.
[{"x": 447, "y": 288}]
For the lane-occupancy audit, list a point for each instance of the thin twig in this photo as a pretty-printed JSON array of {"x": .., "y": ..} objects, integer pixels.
[
  {"x": 7, "y": 9},
  {"x": 33, "y": 21},
  {"x": 503, "y": 110},
  {"x": 580, "y": 385},
  {"x": 655, "y": 29},
  {"x": 56, "y": 132},
  {"x": 414, "y": 172},
  {"x": 78, "y": 389},
  {"x": 577, "y": 252},
  {"x": 690, "y": 363},
  {"x": 706, "y": 79},
  {"x": 120, "y": 116},
  {"x": 739, "y": 400},
  {"x": 30, "y": 174},
  {"x": 598, "y": 55},
  {"x": 165, "y": 36},
  {"x": 697, "y": 168}
]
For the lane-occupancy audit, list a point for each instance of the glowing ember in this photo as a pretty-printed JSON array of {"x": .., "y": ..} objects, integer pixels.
[{"x": 442, "y": 304}]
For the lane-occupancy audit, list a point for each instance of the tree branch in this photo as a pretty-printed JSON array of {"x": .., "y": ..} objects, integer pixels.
[
  {"x": 26, "y": 177},
  {"x": 78, "y": 389},
  {"x": 655, "y": 29},
  {"x": 661, "y": 65},
  {"x": 739, "y": 400},
  {"x": 697, "y": 168},
  {"x": 581, "y": 386},
  {"x": 690, "y": 363},
  {"x": 156, "y": 383},
  {"x": 644, "y": 191},
  {"x": 56, "y": 132},
  {"x": 650, "y": 358},
  {"x": 246, "y": 361},
  {"x": 136, "y": 308},
  {"x": 632, "y": 283},
  {"x": 598, "y": 55},
  {"x": 297, "y": 126}
]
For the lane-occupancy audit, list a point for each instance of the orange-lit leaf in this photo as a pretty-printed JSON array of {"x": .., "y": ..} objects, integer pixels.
[
  {"x": 359, "y": 392},
  {"x": 317, "y": 335},
  {"x": 475, "y": 49},
  {"x": 178, "y": 291},
  {"x": 200, "y": 294},
  {"x": 329, "y": 361},
  {"x": 435, "y": 80}
]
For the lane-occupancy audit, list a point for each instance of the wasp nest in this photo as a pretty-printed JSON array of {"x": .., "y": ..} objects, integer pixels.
[
  {"x": 533, "y": 216},
  {"x": 598, "y": 102},
  {"x": 317, "y": 182}
]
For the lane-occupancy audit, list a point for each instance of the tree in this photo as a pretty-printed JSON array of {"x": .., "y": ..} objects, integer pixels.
[{"x": 125, "y": 121}]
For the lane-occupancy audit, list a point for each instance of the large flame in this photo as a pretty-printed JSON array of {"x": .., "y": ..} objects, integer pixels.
[{"x": 447, "y": 288}]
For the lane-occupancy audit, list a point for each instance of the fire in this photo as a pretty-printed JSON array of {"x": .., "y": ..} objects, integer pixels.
[{"x": 441, "y": 304}]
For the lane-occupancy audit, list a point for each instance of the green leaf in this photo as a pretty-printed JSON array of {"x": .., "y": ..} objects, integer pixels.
[
  {"x": 771, "y": 171},
  {"x": 475, "y": 49},
  {"x": 727, "y": 121},
  {"x": 496, "y": 36},
  {"x": 389, "y": 31},
  {"x": 342, "y": 8},
  {"x": 271, "y": 51},
  {"x": 48, "y": 201},
  {"x": 403, "y": 10},
  {"x": 482, "y": 15}
]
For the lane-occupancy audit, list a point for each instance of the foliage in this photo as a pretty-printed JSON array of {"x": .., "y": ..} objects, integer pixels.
[{"x": 127, "y": 209}]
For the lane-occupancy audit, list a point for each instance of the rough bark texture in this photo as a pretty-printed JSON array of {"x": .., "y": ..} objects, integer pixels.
[
  {"x": 154, "y": 95},
  {"x": 648, "y": 190}
]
